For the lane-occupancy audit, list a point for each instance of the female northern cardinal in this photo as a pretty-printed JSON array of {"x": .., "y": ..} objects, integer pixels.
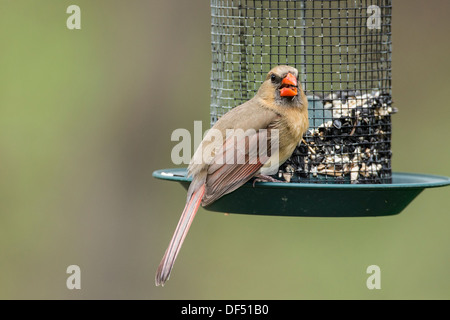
[{"x": 277, "y": 113}]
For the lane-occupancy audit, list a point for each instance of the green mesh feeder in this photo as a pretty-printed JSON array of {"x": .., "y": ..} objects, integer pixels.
[{"x": 342, "y": 49}]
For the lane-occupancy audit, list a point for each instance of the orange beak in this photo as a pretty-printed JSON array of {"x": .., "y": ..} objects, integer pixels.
[{"x": 289, "y": 86}]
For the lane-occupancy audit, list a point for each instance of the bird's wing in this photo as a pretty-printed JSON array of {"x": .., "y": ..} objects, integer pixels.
[
  {"x": 240, "y": 158},
  {"x": 247, "y": 116}
]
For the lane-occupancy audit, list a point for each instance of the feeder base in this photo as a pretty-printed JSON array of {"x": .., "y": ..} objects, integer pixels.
[{"x": 318, "y": 200}]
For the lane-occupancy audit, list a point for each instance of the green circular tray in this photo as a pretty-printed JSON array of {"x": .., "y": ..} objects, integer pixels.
[{"x": 318, "y": 200}]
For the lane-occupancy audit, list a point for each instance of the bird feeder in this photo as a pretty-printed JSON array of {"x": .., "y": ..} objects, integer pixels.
[{"x": 342, "y": 49}]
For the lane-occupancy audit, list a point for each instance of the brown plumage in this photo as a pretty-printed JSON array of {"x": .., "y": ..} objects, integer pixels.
[{"x": 278, "y": 114}]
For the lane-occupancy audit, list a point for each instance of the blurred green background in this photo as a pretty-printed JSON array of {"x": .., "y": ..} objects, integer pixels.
[{"x": 86, "y": 117}]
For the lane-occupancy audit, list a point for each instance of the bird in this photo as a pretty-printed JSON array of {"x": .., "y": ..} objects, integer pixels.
[{"x": 276, "y": 118}]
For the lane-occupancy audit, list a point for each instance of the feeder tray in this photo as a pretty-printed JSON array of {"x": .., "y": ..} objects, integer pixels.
[{"x": 318, "y": 200}]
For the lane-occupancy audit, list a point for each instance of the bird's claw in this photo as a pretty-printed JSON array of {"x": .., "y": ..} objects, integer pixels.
[{"x": 263, "y": 178}]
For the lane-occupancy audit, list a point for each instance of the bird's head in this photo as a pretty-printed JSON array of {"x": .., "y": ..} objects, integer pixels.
[{"x": 282, "y": 87}]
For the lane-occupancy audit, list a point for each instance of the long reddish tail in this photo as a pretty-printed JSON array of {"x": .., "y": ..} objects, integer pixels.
[{"x": 166, "y": 265}]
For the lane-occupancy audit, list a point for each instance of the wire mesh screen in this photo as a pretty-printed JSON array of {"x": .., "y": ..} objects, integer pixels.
[{"x": 342, "y": 49}]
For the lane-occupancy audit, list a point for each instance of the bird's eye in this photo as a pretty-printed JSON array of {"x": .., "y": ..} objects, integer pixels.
[{"x": 273, "y": 78}]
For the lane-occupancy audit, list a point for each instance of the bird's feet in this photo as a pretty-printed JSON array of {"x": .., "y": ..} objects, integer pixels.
[{"x": 263, "y": 178}]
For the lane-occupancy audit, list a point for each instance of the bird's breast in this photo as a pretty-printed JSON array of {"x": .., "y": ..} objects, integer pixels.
[{"x": 294, "y": 125}]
